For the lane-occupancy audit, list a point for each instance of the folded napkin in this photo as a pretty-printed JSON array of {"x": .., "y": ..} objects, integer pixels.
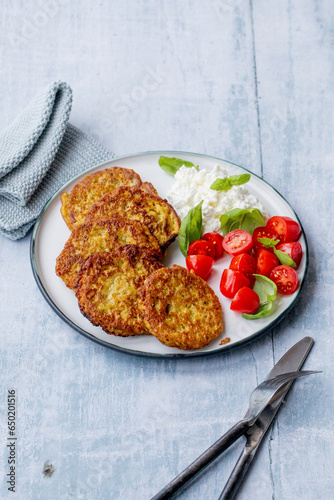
[{"x": 39, "y": 152}]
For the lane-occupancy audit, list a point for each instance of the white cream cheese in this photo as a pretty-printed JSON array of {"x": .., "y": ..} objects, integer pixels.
[{"x": 191, "y": 186}]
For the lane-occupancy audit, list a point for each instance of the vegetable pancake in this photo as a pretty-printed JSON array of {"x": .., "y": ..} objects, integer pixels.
[
  {"x": 108, "y": 287},
  {"x": 135, "y": 204},
  {"x": 180, "y": 308},
  {"x": 100, "y": 236},
  {"x": 89, "y": 190}
]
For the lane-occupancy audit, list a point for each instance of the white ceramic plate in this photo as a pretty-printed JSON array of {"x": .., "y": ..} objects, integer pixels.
[{"x": 50, "y": 234}]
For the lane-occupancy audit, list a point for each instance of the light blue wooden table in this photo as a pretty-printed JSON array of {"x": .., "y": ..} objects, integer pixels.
[{"x": 248, "y": 81}]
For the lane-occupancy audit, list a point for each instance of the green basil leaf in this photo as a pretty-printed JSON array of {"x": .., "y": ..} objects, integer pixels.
[
  {"x": 284, "y": 258},
  {"x": 237, "y": 180},
  {"x": 257, "y": 216},
  {"x": 191, "y": 228},
  {"x": 172, "y": 165},
  {"x": 227, "y": 183},
  {"x": 223, "y": 220},
  {"x": 259, "y": 289},
  {"x": 266, "y": 285},
  {"x": 241, "y": 218},
  {"x": 221, "y": 185},
  {"x": 195, "y": 223},
  {"x": 263, "y": 310},
  {"x": 268, "y": 242},
  {"x": 237, "y": 212},
  {"x": 248, "y": 224},
  {"x": 267, "y": 292},
  {"x": 232, "y": 219},
  {"x": 235, "y": 225}
]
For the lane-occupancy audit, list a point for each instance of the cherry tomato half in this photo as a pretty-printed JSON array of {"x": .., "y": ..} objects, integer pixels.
[
  {"x": 263, "y": 232},
  {"x": 217, "y": 240},
  {"x": 265, "y": 262},
  {"x": 245, "y": 264},
  {"x": 293, "y": 250},
  {"x": 286, "y": 228},
  {"x": 200, "y": 264},
  {"x": 231, "y": 281},
  {"x": 245, "y": 301},
  {"x": 237, "y": 241},
  {"x": 201, "y": 247},
  {"x": 285, "y": 278}
]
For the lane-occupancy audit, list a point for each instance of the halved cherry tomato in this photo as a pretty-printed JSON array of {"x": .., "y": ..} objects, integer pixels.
[
  {"x": 201, "y": 247},
  {"x": 245, "y": 264},
  {"x": 285, "y": 278},
  {"x": 245, "y": 301},
  {"x": 263, "y": 232},
  {"x": 265, "y": 262},
  {"x": 231, "y": 281},
  {"x": 217, "y": 240},
  {"x": 293, "y": 250},
  {"x": 200, "y": 264},
  {"x": 286, "y": 228},
  {"x": 237, "y": 241}
]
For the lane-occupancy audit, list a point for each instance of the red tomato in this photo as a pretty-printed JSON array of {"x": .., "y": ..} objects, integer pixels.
[
  {"x": 231, "y": 281},
  {"x": 263, "y": 232},
  {"x": 265, "y": 262},
  {"x": 237, "y": 241},
  {"x": 201, "y": 247},
  {"x": 285, "y": 278},
  {"x": 246, "y": 265},
  {"x": 286, "y": 228},
  {"x": 200, "y": 264},
  {"x": 293, "y": 250},
  {"x": 245, "y": 301},
  {"x": 217, "y": 241}
]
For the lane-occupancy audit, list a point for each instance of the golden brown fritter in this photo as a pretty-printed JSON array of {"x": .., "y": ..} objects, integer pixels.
[
  {"x": 108, "y": 287},
  {"x": 180, "y": 308},
  {"x": 85, "y": 193},
  {"x": 135, "y": 204},
  {"x": 100, "y": 236},
  {"x": 149, "y": 188}
]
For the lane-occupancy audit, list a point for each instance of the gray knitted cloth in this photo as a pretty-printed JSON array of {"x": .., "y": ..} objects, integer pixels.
[{"x": 39, "y": 152}]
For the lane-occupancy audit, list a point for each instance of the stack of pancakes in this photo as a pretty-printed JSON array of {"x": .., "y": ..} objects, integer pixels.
[{"x": 121, "y": 229}]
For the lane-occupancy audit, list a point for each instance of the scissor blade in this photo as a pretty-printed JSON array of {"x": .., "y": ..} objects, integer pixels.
[{"x": 291, "y": 361}]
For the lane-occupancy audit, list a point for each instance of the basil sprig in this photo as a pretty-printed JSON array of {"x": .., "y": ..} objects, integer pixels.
[
  {"x": 267, "y": 292},
  {"x": 283, "y": 257},
  {"x": 228, "y": 182},
  {"x": 241, "y": 218},
  {"x": 263, "y": 310},
  {"x": 172, "y": 165},
  {"x": 191, "y": 228},
  {"x": 265, "y": 288},
  {"x": 268, "y": 242}
]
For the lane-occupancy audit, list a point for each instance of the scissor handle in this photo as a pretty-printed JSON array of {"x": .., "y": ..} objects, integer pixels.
[{"x": 203, "y": 460}]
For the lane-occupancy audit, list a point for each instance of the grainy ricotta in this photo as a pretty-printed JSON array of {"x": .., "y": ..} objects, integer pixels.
[{"x": 192, "y": 185}]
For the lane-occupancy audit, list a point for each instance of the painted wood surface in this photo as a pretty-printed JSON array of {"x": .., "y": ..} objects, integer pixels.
[{"x": 248, "y": 81}]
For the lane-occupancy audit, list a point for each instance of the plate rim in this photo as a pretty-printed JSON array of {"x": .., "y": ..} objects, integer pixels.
[{"x": 185, "y": 354}]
